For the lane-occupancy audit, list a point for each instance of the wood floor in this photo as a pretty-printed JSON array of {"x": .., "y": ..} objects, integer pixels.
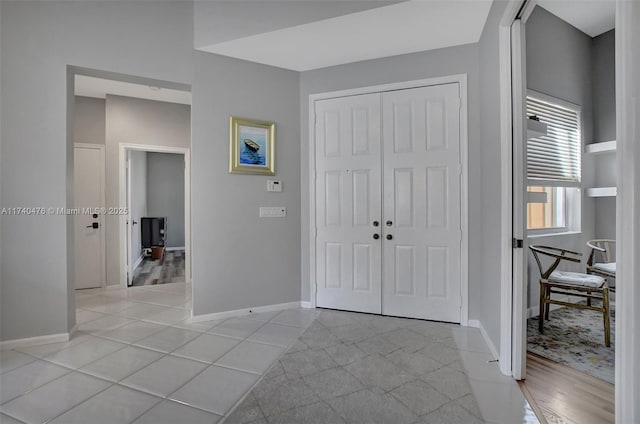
[{"x": 564, "y": 395}]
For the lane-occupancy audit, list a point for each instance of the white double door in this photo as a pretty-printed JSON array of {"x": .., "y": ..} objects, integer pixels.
[{"x": 388, "y": 203}]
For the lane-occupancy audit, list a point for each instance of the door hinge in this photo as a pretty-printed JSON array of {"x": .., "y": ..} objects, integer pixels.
[{"x": 517, "y": 243}]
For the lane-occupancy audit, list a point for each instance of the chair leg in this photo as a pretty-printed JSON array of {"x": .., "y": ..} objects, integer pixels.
[
  {"x": 543, "y": 295},
  {"x": 607, "y": 321},
  {"x": 588, "y": 298},
  {"x": 547, "y": 307}
]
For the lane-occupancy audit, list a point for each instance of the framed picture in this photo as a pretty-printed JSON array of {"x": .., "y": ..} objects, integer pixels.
[{"x": 252, "y": 146}]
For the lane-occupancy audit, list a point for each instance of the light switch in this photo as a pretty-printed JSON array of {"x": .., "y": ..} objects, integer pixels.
[
  {"x": 274, "y": 185},
  {"x": 273, "y": 212}
]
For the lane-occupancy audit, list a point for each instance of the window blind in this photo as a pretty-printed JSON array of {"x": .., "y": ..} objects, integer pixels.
[{"x": 557, "y": 155}]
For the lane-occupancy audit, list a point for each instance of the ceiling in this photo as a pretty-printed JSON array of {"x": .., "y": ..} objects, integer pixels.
[
  {"x": 406, "y": 27},
  {"x": 593, "y": 17},
  {"x": 99, "y": 88}
]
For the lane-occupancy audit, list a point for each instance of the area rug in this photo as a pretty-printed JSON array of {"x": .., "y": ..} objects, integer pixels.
[{"x": 575, "y": 337}]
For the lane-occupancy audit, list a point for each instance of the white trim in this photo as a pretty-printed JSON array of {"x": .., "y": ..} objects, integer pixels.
[
  {"x": 245, "y": 311},
  {"x": 461, "y": 80},
  {"x": 506, "y": 195},
  {"x": 36, "y": 341},
  {"x": 306, "y": 305},
  {"x": 474, "y": 323},
  {"x": 137, "y": 264},
  {"x": 171, "y": 249},
  {"x": 103, "y": 200},
  {"x": 123, "y": 147},
  {"x": 627, "y": 396},
  {"x": 601, "y": 148}
]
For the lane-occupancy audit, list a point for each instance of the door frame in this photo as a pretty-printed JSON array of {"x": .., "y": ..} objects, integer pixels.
[
  {"x": 103, "y": 200},
  {"x": 627, "y": 393},
  {"x": 461, "y": 79},
  {"x": 122, "y": 158}
]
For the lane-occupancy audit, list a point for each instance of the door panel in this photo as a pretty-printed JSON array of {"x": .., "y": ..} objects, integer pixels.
[
  {"x": 421, "y": 175},
  {"x": 348, "y": 189},
  {"x": 88, "y": 186}
]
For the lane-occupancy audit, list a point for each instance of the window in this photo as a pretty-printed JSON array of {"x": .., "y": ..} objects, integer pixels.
[{"x": 554, "y": 166}]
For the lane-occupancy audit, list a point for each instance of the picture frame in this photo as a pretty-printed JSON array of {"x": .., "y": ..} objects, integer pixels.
[{"x": 251, "y": 146}]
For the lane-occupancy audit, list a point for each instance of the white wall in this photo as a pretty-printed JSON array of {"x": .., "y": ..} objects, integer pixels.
[
  {"x": 165, "y": 193},
  {"x": 559, "y": 64},
  {"x": 38, "y": 41},
  {"x": 240, "y": 260},
  {"x": 138, "y": 175}
]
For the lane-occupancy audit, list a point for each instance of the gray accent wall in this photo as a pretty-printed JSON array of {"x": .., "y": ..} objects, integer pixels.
[
  {"x": 604, "y": 87},
  {"x": 604, "y": 129},
  {"x": 39, "y": 40},
  {"x": 89, "y": 120},
  {"x": 241, "y": 260},
  {"x": 136, "y": 121},
  {"x": 165, "y": 193},
  {"x": 559, "y": 64}
]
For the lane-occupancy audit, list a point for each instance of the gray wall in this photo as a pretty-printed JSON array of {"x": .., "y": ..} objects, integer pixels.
[
  {"x": 240, "y": 260},
  {"x": 604, "y": 87},
  {"x": 604, "y": 129},
  {"x": 559, "y": 60},
  {"x": 89, "y": 120},
  {"x": 137, "y": 121},
  {"x": 489, "y": 220},
  {"x": 138, "y": 175},
  {"x": 165, "y": 193},
  {"x": 442, "y": 62},
  {"x": 38, "y": 41}
]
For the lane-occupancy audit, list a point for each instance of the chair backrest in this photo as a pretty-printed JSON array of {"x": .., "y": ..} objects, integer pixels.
[
  {"x": 558, "y": 254},
  {"x": 603, "y": 249}
]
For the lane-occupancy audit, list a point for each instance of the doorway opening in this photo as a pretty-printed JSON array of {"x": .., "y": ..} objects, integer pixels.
[
  {"x": 119, "y": 120},
  {"x": 563, "y": 199},
  {"x": 155, "y": 230}
]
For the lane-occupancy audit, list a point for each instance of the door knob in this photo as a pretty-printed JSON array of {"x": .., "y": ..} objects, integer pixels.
[
  {"x": 389, "y": 223},
  {"x": 389, "y": 237},
  {"x": 376, "y": 236},
  {"x": 94, "y": 225},
  {"x": 376, "y": 223}
]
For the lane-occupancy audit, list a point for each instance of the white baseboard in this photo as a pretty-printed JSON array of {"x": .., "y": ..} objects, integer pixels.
[
  {"x": 39, "y": 340},
  {"x": 534, "y": 311},
  {"x": 245, "y": 311},
  {"x": 137, "y": 263},
  {"x": 171, "y": 249},
  {"x": 477, "y": 324},
  {"x": 306, "y": 305}
]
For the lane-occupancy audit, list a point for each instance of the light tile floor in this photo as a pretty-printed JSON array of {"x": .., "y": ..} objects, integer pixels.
[{"x": 138, "y": 358}]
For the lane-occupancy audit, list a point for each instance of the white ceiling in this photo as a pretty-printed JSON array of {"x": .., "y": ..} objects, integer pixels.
[
  {"x": 593, "y": 17},
  {"x": 99, "y": 88},
  {"x": 401, "y": 28}
]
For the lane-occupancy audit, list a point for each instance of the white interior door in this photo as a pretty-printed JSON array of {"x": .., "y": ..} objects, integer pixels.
[
  {"x": 348, "y": 201},
  {"x": 422, "y": 206},
  {"x": 89, "y": 193}
]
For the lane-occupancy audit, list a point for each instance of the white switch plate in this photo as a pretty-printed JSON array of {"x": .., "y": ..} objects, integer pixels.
[
  {"x": 274, "y": 185},
  {"x": 273, "y": 212}
]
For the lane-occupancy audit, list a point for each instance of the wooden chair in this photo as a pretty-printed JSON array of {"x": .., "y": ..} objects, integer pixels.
[
  {"x": 571, "y": 284},
  {"x": 602, "y": 259}
]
